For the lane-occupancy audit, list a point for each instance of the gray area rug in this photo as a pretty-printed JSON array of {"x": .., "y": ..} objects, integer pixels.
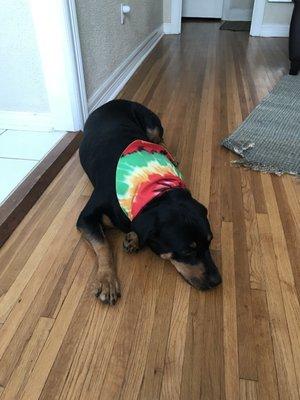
[
  {"x": 236, "y": 26},
  {"x": 269, "y": 139}
]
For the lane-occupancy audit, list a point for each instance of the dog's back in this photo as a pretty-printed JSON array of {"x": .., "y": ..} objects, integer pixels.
[{"x": 107, "y": 132}]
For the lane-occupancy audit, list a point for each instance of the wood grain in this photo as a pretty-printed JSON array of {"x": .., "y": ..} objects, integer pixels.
[
  {"x": 164, "y": 339},
  {"x": 231, "y": 362}
]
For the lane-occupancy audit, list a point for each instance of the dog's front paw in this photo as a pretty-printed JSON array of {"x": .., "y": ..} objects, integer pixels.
[
  {"x": 131, "y": 242},
  {"x": 108, "y": 288}
]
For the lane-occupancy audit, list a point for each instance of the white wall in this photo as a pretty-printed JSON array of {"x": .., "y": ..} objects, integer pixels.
[
  {"x": 237, "y": 10},
  {"x": 105, "y": 43},
  {"x": 167, "y": 11},
  {"x": 232, "y": 10},
  {"x": 271, "y": 19},
  {"x": 22, "y": 86},
  {"x": 277, "y": 13}
]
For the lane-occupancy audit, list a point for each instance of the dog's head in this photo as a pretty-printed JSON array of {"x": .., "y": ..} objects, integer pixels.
[{"x": 176, "y": 228}]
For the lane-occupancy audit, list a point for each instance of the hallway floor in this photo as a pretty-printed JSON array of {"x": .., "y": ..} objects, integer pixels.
[{"x": 165, "y": 340}]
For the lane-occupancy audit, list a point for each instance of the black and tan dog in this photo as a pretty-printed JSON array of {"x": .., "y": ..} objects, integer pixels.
[{"x": 173, "y": 224}]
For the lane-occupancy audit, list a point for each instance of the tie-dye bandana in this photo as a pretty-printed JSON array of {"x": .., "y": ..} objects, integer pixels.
[{"x": 145, "y": 171}]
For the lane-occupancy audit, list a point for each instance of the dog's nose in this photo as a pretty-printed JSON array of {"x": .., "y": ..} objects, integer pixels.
[
  {"x": 214, "y": 279},
  {"x": 208, "y": 283}
]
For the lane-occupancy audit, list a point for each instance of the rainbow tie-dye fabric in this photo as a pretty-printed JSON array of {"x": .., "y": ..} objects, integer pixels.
[{"x": 145, "y": 171}]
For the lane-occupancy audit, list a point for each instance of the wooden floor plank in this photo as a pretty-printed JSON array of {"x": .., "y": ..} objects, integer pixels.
[
  {"x": 289, "y": 210},
  {"x": 176, "y": 343},
  {"x": 18, "y": 380},
  {"x": 35, "y": 224},
  {"x": 26, "y": 310},
  {"x": 285, "y": 366},
  {"x": 247, "y": 363},
  {"x": 65, "y": 357},
  {"x": 212, "y": 358},
  {"x": 285, "y": 272},
  {"x": 153, "y": 374},
  {"x": 267, "y": 379},
  {"x": 46, "y": 359},
  {"x": 192, "y": 374},
  {"x": 115, "y": 370},
  {"x": 248, "y": 390},
  {"x": 9, "y": 299},
  {"x": 229, "y": 314},
  {"x": 257, "y": 278},
  {"x": 138, "y": 356}
]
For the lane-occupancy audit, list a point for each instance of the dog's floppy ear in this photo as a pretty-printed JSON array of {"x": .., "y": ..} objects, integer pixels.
[
  {"x": 205, "y": 227},
  {"x": 144, "y": 226}
]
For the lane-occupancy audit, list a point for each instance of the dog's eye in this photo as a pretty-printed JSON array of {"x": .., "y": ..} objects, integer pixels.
[{"x": 189, "y": 252}]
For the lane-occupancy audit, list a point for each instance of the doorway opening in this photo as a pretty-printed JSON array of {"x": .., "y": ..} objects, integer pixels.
[{"x": 225, "y": 10}]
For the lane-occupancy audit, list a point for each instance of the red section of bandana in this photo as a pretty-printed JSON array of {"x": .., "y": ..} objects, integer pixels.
[
  {"x": 149, "y": 147},
  {"x": 155, "y": 186}
]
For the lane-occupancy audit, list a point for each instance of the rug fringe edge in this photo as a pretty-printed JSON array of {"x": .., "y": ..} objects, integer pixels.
[
  {"x": 241, "y": 148},
  {"x": 263, "y": 168}
]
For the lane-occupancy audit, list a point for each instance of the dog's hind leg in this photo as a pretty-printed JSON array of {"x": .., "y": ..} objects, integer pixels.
[{"x": 89, "y": 224}]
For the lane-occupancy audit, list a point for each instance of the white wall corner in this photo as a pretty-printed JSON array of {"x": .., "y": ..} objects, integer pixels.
[
  {"x": 20, "y": 120},
  {"x": 171, "y": 28},
  {"x": 110, "y": 88},
  {"x": 257, "y": 17},
  {"x": 174, "y": 27}
]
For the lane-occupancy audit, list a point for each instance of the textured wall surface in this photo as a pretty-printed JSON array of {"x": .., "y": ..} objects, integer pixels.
[
  {"x": 21, "y": 79},
  {"x": 278, "y": 13},
  {"x": 167, "y": 10},
  {"x": 105, "y": 43}
]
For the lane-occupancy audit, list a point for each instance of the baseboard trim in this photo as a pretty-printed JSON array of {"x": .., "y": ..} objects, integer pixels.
[
  {"x": 117, "y": 80},
  {"x": 274, "y": 30},
  {"x": 26, "y": 121}
]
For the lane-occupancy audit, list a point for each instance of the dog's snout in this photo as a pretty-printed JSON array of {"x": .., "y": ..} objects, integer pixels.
[
  {"x": 208, "y": 282},
  {"x": 215, "y": 279}
]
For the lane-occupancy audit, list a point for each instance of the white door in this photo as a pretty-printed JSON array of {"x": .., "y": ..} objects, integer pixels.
[{"x": 202, "y": 8}]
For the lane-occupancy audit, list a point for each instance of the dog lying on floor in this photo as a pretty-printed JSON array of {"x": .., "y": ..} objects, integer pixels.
[{"x": 138, "y": 189}]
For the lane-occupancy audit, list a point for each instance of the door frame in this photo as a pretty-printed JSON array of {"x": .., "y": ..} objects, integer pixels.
[
  {"x": 257, "y": 17},
  {"x": 174, "y": 26},
  {"x": 56, "y": 28},
  {"x": 176, "y": 12}
]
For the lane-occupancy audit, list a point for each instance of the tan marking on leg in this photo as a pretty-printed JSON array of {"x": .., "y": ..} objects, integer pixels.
[{"x": 108, "y": 288}]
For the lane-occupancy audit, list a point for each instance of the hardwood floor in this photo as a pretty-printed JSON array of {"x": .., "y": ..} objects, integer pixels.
[{"x": 164, "y": 340}]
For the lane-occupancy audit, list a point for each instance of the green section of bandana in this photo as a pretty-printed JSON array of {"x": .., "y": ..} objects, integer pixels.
[{"x": 130, "y": 164}]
